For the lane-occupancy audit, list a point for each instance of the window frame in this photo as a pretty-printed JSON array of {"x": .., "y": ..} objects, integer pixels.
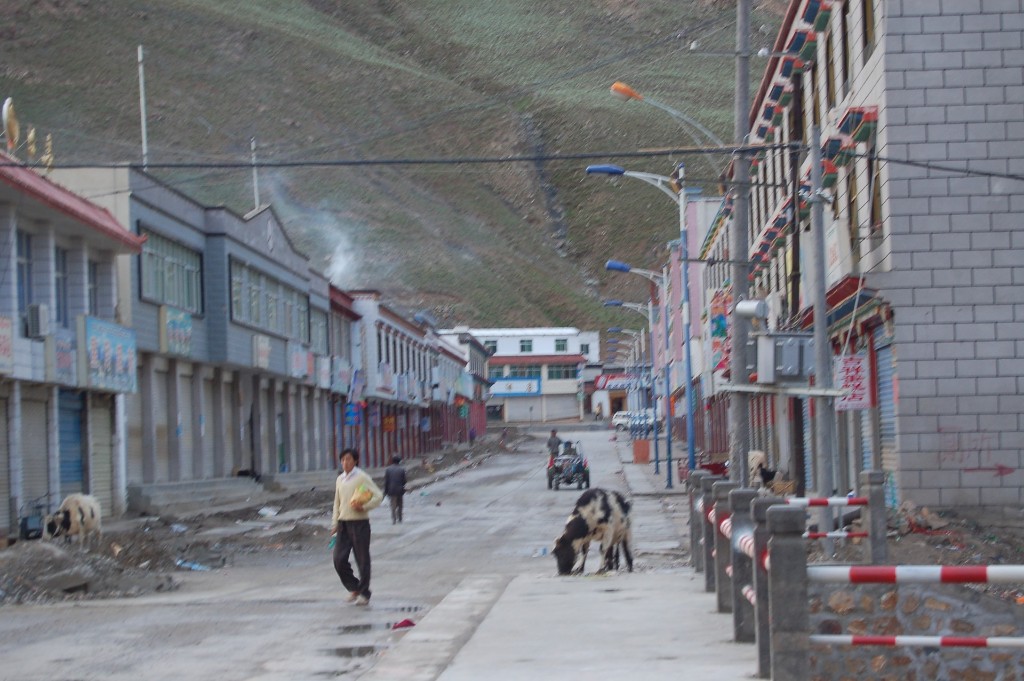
[
  {"x": 60, "y": 285},
  {"x": 525, "y": 345},
  {"x": 170, "y": 273}
]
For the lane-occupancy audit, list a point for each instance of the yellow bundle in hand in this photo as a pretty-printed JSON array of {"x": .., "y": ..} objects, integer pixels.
[{"x": 361, "y": 496}]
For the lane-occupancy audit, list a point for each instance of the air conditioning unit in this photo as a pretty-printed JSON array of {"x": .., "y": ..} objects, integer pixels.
[{"x": 37, "y": 321}]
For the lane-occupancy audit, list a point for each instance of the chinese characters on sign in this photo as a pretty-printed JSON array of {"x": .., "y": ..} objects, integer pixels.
[
  {"x": 107, "y": 355},
  {"x": 6, "y": 345},
  {"x": 853, "y": 375}
]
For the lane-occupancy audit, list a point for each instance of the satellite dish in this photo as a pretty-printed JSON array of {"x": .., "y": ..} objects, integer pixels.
[{"x": 11, "y": 128}]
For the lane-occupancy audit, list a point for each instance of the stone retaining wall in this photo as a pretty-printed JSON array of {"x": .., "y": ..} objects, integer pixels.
[{"x": 913, "y": 610}]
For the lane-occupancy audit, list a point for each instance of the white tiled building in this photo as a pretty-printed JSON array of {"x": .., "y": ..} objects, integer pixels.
[
  {"x": 537, "y": 372},
  {"x": 921, "y": 109}
]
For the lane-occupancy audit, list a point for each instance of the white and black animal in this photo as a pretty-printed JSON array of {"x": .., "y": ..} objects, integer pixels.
[
  {"x": 79, "y": 516},
  {"x": 602, "y": 516}
]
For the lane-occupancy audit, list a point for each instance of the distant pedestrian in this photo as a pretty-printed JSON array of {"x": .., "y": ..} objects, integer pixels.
[
  {"x": 355, "y": 494},
  {"x": 554, "y": 442},
  {"x": 598, "y": 413},
  {"x": 394, "y": 487}
]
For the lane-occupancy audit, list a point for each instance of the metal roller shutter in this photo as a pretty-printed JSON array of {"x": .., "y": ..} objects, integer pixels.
[
  {"x": 184, "y": 425},
  {"x": 809, "y": 482},
  {"x": 163, "y": 462},
  {"x": 133, "y": 423},
  {"x": 69, "y": 437},
  {"x": 886, "y": 366},
  {"x": 207, "y": 431},
  {"x": 5, "y": 463},
  {"x": 101, "y": 438},
  {"x": 34, "y": 454}
]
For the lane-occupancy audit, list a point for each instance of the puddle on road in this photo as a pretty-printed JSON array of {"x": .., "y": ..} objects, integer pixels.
[
  {"x": 400, "y": 608},
  {"x": 354, "y": 651},
  {"x": 365, "y": 628}
]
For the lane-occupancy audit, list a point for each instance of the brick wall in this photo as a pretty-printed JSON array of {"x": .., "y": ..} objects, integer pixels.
[
  {"x": 950, "y": 258},
  {"x": 913, "y": 610}
]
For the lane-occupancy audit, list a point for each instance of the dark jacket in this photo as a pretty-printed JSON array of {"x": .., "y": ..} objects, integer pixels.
[{"x": 394, "y": 480}]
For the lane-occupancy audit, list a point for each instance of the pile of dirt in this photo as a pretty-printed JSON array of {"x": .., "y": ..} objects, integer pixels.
[
  {"x": 144, "y": 557},
  {"x": 32, "y": 572}
]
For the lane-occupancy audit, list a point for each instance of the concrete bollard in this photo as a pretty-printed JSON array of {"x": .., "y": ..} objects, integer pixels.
[
  {"x": 707, "y": 532},
  {"x": 696, "y": 523},
  {"x": 872, "y": 485},
  {"x": 787, "y": 600},
  {"x": 723, "y": 547},
  {"x": 758, "y": 510},
  {"x": 742, "y": 566}
]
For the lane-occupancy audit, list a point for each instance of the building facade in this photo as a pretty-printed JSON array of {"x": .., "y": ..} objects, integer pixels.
[
  {"x": 476, "y": 356},
  {"x": 240, "y": 354},
  {"x": 66, "y": 356},
  {"x": 536, "y": 373},
  {"x": 919, "y": 108}
]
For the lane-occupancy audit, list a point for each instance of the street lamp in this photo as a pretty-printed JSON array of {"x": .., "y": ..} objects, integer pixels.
[
  {"x": 674, "y": 189},
  {"x": 624, "y": 92},
  {"x": 647, "y": 311},
  {"x": 639, "y": 335},
  {"x": 662, "y": 281}
]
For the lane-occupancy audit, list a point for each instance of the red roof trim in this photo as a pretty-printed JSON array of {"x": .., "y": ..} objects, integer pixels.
[
  {"x": 342, "y": 302},
  {"x": 521, "y": 360},
  {"x": 31, "y": 183}
]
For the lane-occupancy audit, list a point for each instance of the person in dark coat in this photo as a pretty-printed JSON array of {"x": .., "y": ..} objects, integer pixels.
[{"x": 394, "y": 487}]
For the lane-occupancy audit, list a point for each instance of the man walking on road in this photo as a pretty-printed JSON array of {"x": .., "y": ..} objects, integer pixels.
[
  {"x": 394, "y": 487},
  {"x": 355, "y": 494},
  {"x": 554, "y": 442}
]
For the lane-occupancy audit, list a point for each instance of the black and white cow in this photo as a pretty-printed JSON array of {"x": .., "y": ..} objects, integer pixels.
[
  {"x": 602, "y": 516},
  {"x": 78, "y": 515}
]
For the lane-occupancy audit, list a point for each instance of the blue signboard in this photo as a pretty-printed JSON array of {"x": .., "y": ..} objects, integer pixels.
[
  {"x": 109, "y": 361},
  {"x": 353, "y": 415}
]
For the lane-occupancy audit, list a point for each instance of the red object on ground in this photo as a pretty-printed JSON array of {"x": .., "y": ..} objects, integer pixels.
[{"x": 404, "y": 624}]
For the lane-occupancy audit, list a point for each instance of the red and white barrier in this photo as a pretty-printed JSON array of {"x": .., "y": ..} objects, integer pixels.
[
  {"x": 921, "y": 641},
  {"x": 745, "y": 543},
  {"x": 749, "y": 593},
  {"x": 827, "y": 501},
  {"x": 726, "y": 528},
  {"x": 916, "y": 574}
]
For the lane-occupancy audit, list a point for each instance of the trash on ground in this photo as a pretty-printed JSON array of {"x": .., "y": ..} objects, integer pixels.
[
  {"x": 191, "y": 565},
  {"x": 268, "y": 512},
  {"x": 404, "y": 624}
]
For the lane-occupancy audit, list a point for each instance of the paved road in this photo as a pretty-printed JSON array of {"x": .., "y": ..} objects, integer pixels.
[{"x": 470, "y": 566}]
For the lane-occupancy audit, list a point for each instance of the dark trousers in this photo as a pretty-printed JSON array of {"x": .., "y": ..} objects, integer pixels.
[
  {"x": 353, "y": 537},
  {"x": 396, "y": 507}
]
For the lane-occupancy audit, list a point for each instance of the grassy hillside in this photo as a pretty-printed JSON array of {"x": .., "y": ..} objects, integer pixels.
[{"x": 321, "y": 80}]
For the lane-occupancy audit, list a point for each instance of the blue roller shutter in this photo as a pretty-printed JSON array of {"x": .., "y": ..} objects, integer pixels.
[{"x": 69, "y": 424}]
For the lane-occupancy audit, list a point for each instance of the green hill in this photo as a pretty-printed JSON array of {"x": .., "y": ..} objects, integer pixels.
[{"x": 516, "y": 243}]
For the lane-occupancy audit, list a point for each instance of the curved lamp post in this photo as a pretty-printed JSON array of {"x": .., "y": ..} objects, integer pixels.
[
  {"x": 637, "y": 336},
  {"x": 673, "y": 187},
  {"x": 659, "y": 280},
  {"x": 622, "y": 91}
]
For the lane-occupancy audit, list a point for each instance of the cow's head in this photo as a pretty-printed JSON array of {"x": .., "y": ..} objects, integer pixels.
[
  {"x": 565, "y": 555},
  {"x": 58, "y": 524}
]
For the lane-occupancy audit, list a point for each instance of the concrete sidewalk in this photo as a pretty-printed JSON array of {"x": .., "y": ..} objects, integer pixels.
[{"x": 651, "y": 624}]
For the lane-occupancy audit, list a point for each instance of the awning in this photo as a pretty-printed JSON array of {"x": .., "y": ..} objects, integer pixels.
[{"x": 846, "y": 296}]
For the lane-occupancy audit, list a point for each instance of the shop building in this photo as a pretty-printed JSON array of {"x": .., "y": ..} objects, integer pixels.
[{"x": 67, "y": 356}]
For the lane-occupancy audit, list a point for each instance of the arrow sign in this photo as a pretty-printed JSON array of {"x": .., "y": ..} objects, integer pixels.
[{"x": 999, "y": 469}]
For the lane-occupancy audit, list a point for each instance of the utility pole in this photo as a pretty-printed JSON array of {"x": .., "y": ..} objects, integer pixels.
[
  {"x": 739, "y": 402},
  {"x": 255, "y": 175},
  {"x": 824, "y": 407},
  {"x": 142, "y": 111}
]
